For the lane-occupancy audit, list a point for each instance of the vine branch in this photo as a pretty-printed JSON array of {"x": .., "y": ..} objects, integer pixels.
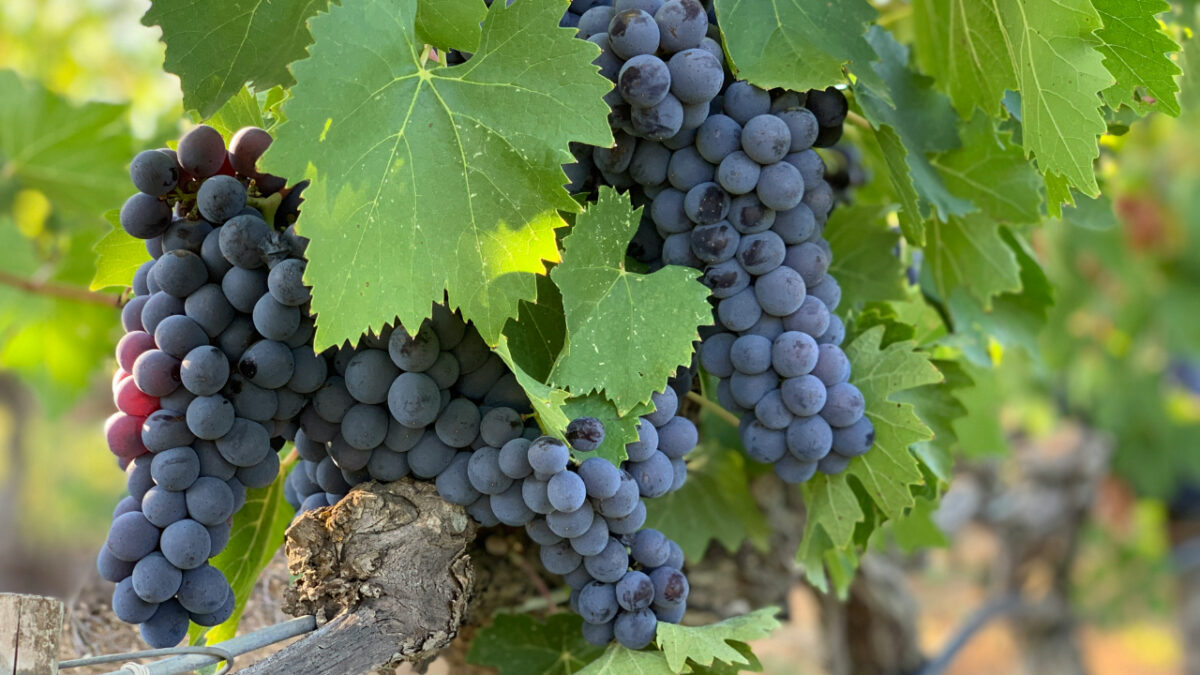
[
  {"x": 59, "y": 290},
  {"x": 714, "y": 408}
]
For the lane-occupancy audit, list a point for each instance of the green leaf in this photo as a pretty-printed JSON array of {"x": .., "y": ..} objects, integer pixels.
[
  {"x": 118, "y": 255},
  {"x": 993, "y": 173},
  {"x": 962, "y": 45},
  {"x": 1091, "y": 214},
  {"x": 618, "y": 660},
  {"x": 797, "y": 44},
  {"x": 922, "y": 118},
  {"x": 258, "y": 532},
  {"x": 705, "y": 644},
  {"x": 863, "y": 262},
  {"x": 536, "y": 337},
  {"x": 75, "y": 155},
  {"x": 916, "y": 530},
  {"x": 627, "y": 333},
  {"x": 894, "y": 156},
  {"x": 426, "y": 178},
  {"x": 242, "y": 110},
  {"x": 518, "y": 644},
  {"x": 1136, "y": 53},
  {"x": 714, "y": 504},
  {"x": 216, "y": 46},
  {"x": 451, "y": 23},
  {"x": 1014, "y": 320},
  {"x": 1046, "y": 51},
  {"x": 969, "y": 254},
  {"x": 939, "y": 405},
  {"x": 887, "y": 472},
  {"x": 555, "y": 408}
]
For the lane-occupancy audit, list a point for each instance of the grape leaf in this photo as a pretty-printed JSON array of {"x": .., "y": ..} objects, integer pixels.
[
  {"x": 75, "y": 155},
  {"x": 888, "y": 470},
  {"x": 894, "y": 156},
  {"x": 518, "y": 644},
  {"x": 916, "y": 529},
  {"x": 705, "y": 644},
  {"x": 939, "y": 406},
  {"x": 216, "y": 46},
  {"x": 1015, "y": 318},
  {"x": 714, "y": 503},
  {"x": 969, "y": 254},
  {"x": 922, "y": 118},
  {"x": 555, "y": 408},
  {"x": 118, "y": 255},
  {"x": 962, "y": 45},
  {"x": 626, "y": 332},
  {"x": 618, "y": 660},
  {"x": 1136, "y": 53},
  {"x": 241, "y": 110},
  {"x": 429, "y": 178},
  {"x": 536, "y": 337},
  {"x": 1048, "y": 52},
  {"x": 993, "y": 173},
  {"x": 863, "y": 262},
  {"x": 797, "y": 44},
  {"x": 258, "y": 532},
  {"x": 451, "y": 23}
]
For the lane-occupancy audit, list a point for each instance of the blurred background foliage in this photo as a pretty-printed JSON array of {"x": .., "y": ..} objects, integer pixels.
[{"x": 82, "y": 89}]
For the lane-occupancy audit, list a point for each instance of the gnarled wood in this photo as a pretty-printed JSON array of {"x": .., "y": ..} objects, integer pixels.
[
  {"x": 30, "y": 627},
  {"x": 387, "y": 573}
]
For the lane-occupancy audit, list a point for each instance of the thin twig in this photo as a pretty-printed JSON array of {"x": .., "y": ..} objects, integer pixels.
[
  {"x": 538, "y": 583},
  {"x": 58, "y": 290},
  {"x": 714, "y": 408},
  {"x": 857, "y": 120}
]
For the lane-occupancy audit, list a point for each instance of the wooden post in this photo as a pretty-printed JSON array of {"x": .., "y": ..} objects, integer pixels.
[{"x": 30, "y": 628}]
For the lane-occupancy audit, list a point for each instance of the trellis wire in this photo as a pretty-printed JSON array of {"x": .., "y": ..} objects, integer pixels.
[{"x": 188, "y": 659}]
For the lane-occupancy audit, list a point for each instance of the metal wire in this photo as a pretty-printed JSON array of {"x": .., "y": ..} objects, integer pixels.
[{"x": 139, "y": 669}]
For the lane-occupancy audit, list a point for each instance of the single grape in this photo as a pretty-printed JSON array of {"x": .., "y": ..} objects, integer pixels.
[
  {"x": 750, "y": 354},
  {"x": 687, "y": 169},
  {"x": 659, "y": 121},
  {"x": 633, "y": 32},
  {"x": 727, "y": 279},
  {"x": 696, "y": 76},
  {"x": 795, "y": 225},
  {"x": 761, "y": 252},
  {"x": 221, "y": 198},
  {"x": 780, "y": 186},
  {"x": 635, "y": 630},
  {"x": 719, "y": 137},
  {"x": 598, "y": 602},
  {"x": 128, "y": 606},
  {"x": 180, "y": 272},
  {"x": 154, "y": 172},
  {"x": 809, "y": 438},
  {"x": 738, "y": 173},
  {"x": 201, "y": 151},
  {"x": 417, "y": 353},
  {"x": 715, "y": 243},
  {"x": 740, "y": 311},
  {"x": 844, "y": 405},
  {"x": 802, "y": 125},
  {"x": 242, "y": 239},
  {"x": 143, "y": 216},
  {"x": 744, "y": 101},
  {"x": 706, "y": 203}
]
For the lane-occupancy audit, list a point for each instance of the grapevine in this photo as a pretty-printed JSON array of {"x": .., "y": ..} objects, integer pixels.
[{"x": 623, "y": 282}]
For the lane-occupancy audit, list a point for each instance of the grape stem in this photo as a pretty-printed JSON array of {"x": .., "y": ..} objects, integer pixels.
[
  {"x": 59, "y": 290},
  {"x": 266, "y": 205},
  {"x": 857, "y": 120},
  {"x": 714, "y": 408}
]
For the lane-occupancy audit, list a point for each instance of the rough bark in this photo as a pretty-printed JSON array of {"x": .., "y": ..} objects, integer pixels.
[
  {"x": 874, "y": 632},
  {"x": 388, "y": 574},
  {"x": 1039, "y": 520}
]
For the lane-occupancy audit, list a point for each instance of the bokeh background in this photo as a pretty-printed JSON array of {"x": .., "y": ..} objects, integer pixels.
[{"x": 1102, "y": 407}]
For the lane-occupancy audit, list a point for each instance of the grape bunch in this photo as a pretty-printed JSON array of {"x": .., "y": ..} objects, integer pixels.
[
  {"x": 215, "y": 363},
  {"x": 439, "y": 406},
  {"x": 737, "y": 190}
]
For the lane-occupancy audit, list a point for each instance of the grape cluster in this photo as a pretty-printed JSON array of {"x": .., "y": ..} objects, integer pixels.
[
  {"x": 735, "y": 188},
  {"x": 440, "y": 406},
  {"x": 215, "y": 361}
]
